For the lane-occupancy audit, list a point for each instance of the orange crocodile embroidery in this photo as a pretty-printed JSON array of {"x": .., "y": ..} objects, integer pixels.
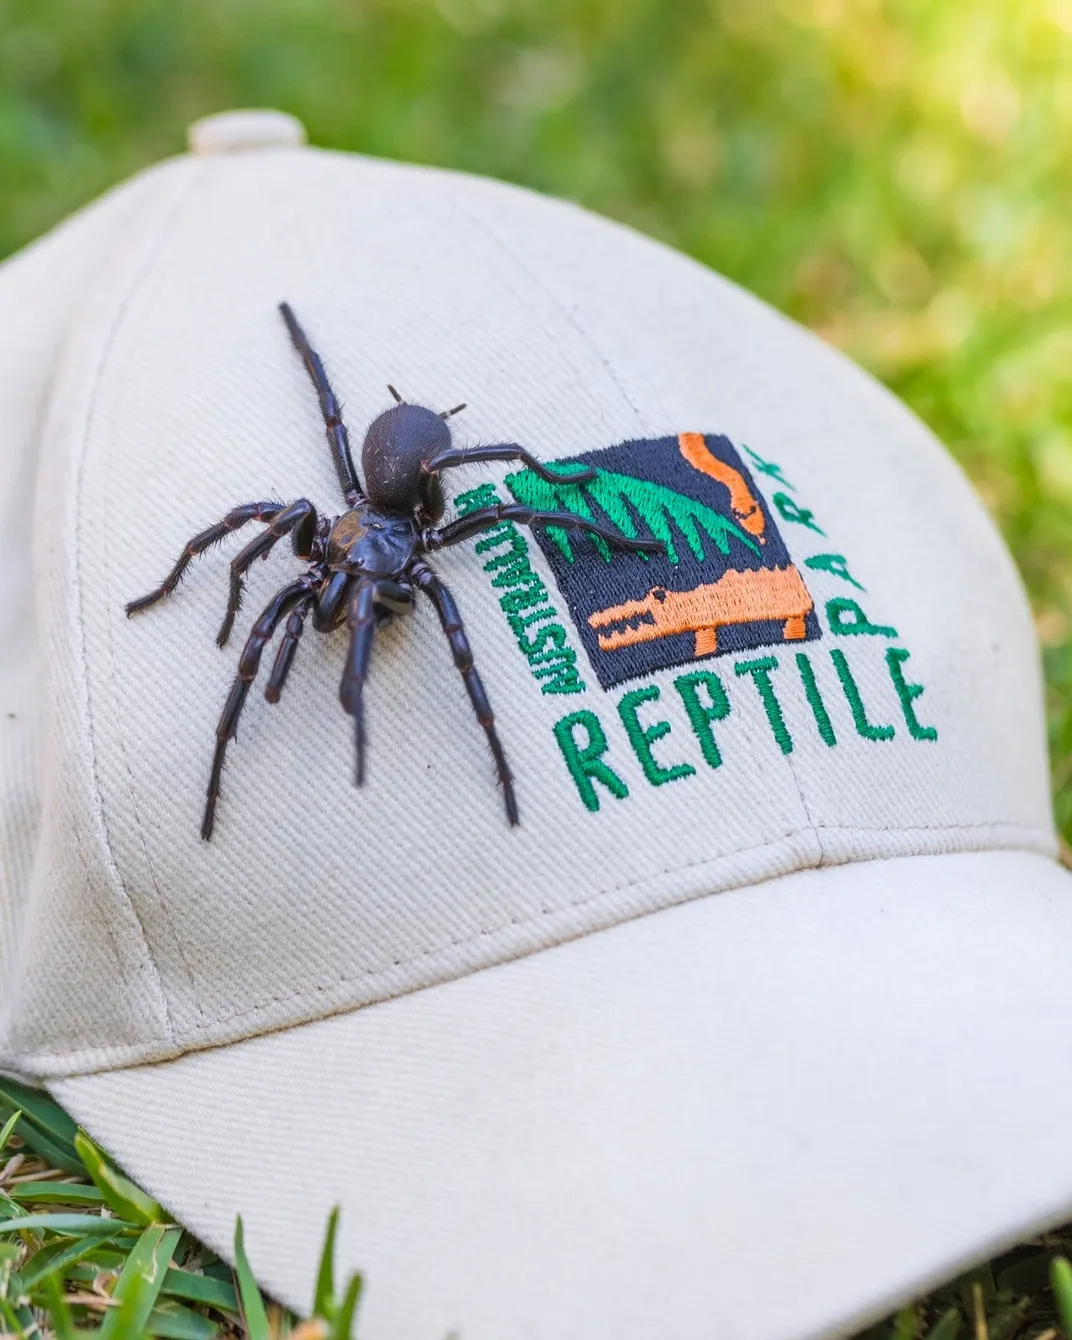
[{"x": 737, "y": 597}]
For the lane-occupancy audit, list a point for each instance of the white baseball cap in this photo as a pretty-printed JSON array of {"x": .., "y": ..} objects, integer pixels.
[{"x": 757, "y": 1022}]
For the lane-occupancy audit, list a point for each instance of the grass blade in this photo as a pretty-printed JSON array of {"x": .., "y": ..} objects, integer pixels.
[
  {"x": 172, "y": 1321},
  {"x": 904, "y": 1325},
  {"x": 41, "y": 1143},
  {"x": 9, "y": 1126},
  {"x": 68, "y": 1224},
  {"x": 41, "y": 1110},
  {"x": 1061, "y": 1282},
  {"x": 139, "y": 1283},
  {"x": 13, "y": 1325},
  {"x": 61, "y": 1321},
  {"x": 119, "y": 1192},
  {"x": 343, "y": 1326},
  {"x": 57, "y": 1258},
  {"x": 324, "y": 1296},
  {"x": 45, "y": 1127},
  {"x": 947, "y": 1327},
  {"x": 203, "y": 1289},
  {"x": 57, "y": 1193},
  {"x": 254, "y": 1313}
]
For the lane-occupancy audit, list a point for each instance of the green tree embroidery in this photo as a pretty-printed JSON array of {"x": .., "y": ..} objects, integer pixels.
[{"x": 621, "y": 498}]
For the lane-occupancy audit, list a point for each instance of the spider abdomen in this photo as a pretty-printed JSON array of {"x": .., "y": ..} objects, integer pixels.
[
  {"x": 372, "y": 541},
  {"x": 395, "y": 446}
]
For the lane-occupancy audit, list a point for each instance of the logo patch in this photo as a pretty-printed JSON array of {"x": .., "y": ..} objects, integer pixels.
[{"x": 726, "y": 583}]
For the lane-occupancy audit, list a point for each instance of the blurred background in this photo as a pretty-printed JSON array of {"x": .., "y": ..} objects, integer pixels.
[{"x": 897, "y": 174}]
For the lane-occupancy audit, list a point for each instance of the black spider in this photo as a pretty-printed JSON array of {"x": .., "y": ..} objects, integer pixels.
[{"x": 367, "y": 564}]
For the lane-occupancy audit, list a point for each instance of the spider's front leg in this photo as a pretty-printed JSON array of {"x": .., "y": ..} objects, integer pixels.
[
  {"x": 449, "y": 616},
  {"x": 234, "y": 520},
  {"x": 465, "y": 527},
  {"x": 450, "y": 457}
]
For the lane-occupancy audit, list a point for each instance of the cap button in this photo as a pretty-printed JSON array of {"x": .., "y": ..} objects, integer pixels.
[{"x": 236, "y": 132}]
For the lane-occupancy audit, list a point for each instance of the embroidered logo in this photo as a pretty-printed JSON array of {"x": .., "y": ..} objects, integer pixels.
[{"x": 726, "y": 583}]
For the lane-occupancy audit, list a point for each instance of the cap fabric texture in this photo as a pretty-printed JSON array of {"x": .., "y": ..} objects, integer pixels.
[{"x": 756, "y": 1024}]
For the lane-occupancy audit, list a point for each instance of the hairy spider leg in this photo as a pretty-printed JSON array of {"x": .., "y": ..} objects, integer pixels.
[
  {"x": 451, "y": 619},
  {"x": 338, "y": 437},
  {"x": 361, "y": 621},
  {"x": 485, "y": 517},
  {"x": 502, "y": 451},
  {"x": 235, "y": 518},
  {"x": 297, "y": 516},
  {"x": 248, "y": 665},
  {"x": 288, "y": 647}
]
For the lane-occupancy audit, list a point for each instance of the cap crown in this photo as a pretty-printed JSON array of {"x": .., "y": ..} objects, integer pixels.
[{"x": 834, "y": 662}]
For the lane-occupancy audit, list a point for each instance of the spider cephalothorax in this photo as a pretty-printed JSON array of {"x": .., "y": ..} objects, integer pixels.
[{"x": 368, "y": 563}]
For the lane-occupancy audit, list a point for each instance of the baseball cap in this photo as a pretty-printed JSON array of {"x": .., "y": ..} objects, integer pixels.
[{"x": 756, "y": 1023}]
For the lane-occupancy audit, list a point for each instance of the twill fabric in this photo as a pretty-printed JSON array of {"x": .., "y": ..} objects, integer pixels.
[
  {"x": 727, "y": 1005},
  {"x": 188, "y": 399}
]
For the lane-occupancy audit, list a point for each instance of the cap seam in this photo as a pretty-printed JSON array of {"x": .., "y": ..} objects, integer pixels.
[
  {"x": 806, "y": 830},
  {"x": 493, "y": 235},
  {"x": 569, "y": 315},
  {"x": 142, "y": 270},
  {"x": 189, "y": 1043}
]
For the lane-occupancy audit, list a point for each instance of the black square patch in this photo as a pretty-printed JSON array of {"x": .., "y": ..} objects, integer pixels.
[{"x": 726, "y": 583}]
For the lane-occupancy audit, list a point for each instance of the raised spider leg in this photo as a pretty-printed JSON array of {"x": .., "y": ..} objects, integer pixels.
[
  {"x": 248, "y": 665},
  {"x": 338, "y": 437},
  {"x": 237, "y": 517},
  {"x": 297, "y": 516},
  {"x": 486, "y": 517},
  {"x": 451, "y": 620},
  {"x": 502, "y": 451}
]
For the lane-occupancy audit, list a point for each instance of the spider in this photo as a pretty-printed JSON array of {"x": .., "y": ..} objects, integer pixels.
[{"x": 369, "y": 563}]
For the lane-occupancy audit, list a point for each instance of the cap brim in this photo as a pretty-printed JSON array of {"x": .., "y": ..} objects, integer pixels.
[{"x": 773, "y": 1113}]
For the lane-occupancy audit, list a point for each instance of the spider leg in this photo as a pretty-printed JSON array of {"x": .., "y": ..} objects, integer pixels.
[
  {"x": 361, "y": 620},
  {"x": 248, "y": 665},
  {"x": 502, "y": 451},
  {"x": 237, "y": 517},
  {"x": 338, "y": 437},
  {"x": 451, "y": 620},
  {"x": 288, "y": 648},
  {"x": 486, "y": 517},
  {"x": 298, "y": 516}
]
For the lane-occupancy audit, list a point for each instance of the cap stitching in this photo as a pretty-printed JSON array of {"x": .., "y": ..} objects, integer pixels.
[
  {"x": 1023, "y": 832},
  {"x": 144, "y": 267},
  {"x": 804, "y": 831},
  {"x": 492, "y": 234}
]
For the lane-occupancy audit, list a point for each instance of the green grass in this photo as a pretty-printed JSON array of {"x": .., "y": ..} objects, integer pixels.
[
  {"x": 897, "y": 175},
  {"x": 82, "y": 1249}
]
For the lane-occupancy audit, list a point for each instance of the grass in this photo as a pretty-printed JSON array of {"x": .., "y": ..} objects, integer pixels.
[
  {"x": 82, "y": 1250},
  {"x": 897, "y": 174}
]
